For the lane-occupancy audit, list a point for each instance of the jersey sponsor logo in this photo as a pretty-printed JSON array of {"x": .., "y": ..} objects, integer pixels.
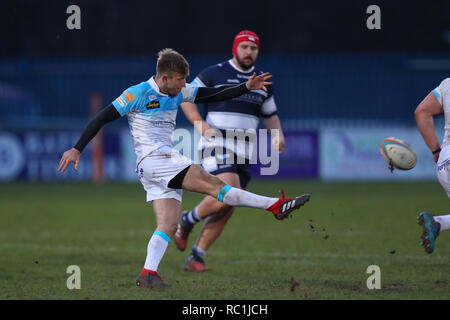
[
  {"x": 233, "y": 81},
  {"x": 444, "y": 165},
  {"x": 152, "y": 96},
  {"x": 129, "y": 96},
  {"x": 121, "y": 101},
  {"x": 153, "y": 105}
]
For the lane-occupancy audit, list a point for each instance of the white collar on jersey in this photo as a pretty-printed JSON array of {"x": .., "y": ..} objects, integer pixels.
[
  {"x": 239, "y": 69},
  {"x": 155, "y": 87}
]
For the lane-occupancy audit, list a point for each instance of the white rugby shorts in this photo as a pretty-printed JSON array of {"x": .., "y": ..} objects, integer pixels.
[
  {"x": 443, "y": 169},
  {"x": 157, "y": 169}
]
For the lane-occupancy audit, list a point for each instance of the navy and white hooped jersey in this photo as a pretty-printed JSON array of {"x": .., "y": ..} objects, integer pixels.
[
  {"x": 442, "y": 94},
  {"x": 239, "y": 113},
  {"x": 151, "y": 114}
]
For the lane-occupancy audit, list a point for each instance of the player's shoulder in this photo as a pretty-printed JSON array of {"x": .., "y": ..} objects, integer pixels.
[
  {"x": 140, "y": 87},
  {"x": 258, "y": 70},
  {"x": 131, "y": 97},
  {"x": 213, "y": 74},
  {"x": 215, "y": 68},
  {"x": 137, "y": 90},
  {"x": 190, "y": 86},
  {"x": 445, "y": 82},
  {"x": 443, "y": 86}
]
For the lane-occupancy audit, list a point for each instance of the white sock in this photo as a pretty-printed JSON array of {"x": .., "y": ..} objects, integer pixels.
[
  {"x": 155, "y": 250},
  {"x": 240, "y": 198},
  {"x": 444, "y": 221}
]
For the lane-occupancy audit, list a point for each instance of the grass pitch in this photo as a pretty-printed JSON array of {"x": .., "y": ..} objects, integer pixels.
[{"x": 322, "y": 252}]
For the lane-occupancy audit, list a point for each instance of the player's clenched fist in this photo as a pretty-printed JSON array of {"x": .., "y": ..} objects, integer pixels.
[{"x": 72, "y": 155}]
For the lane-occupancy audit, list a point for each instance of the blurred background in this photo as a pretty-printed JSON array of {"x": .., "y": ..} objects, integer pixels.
[{"x": 340, "y": 87}]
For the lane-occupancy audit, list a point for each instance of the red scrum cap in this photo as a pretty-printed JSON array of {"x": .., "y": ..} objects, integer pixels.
[{"x": 245, "y": 35}]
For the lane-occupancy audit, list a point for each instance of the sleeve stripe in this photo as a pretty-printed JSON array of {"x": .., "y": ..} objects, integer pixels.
[
  {"x": 198, "y": 82},
  {"x": 269, "y": 106},
  {"x": 269, "y": 115},
  {"x": 436, "y": 94},
  {"x": 195, "y": 92}
]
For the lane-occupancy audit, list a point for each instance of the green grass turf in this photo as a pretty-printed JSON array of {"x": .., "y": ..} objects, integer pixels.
[{"x": 325, "y": 247}]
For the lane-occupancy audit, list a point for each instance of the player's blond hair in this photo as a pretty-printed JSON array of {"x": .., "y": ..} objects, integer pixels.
[{"x": 170, "y": 61}]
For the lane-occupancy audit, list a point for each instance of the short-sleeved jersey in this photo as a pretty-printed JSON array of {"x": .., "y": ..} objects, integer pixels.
[
  {"x": 442, "y": 93},
  {"x": 239, "y": 113},
  {"x": 151, "y": 114}
]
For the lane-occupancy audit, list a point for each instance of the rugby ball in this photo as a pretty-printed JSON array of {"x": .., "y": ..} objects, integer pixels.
[{"x": 398, "y": 154}]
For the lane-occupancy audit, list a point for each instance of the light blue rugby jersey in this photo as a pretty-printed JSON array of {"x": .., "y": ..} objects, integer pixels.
[{"x": 151, "y": 114}]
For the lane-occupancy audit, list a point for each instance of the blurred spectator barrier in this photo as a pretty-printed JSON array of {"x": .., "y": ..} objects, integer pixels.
[{"x": 327, "y": 154}]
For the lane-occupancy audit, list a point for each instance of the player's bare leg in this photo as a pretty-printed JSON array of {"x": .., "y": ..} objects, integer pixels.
[
  {"x": 213, "y": 227},
  {"x": 198, "y": 180},
  {"x": 211, "y": 230},
  {"x": 166, "y": 211},
  {"x": 216, "y": 213},
  {"x": 208, "y": 206}
]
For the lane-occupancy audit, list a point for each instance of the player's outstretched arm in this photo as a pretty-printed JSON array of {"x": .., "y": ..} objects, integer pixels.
[
  {"x": 108, "y": 114},
  {"x": 424, "y": 113},
  {"x": 206, "y": 94}
]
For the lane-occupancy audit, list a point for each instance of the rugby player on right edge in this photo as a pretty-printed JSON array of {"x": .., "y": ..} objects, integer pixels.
[{"x": 436, "y": 102}]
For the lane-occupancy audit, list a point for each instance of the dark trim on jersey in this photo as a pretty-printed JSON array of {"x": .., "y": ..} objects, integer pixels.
[
  {"x": 108, "y": 114},
  {"x": 207, "y": 94},
  {"x": 177, "y": 181},
  {"x": 269, "y": 115}
]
